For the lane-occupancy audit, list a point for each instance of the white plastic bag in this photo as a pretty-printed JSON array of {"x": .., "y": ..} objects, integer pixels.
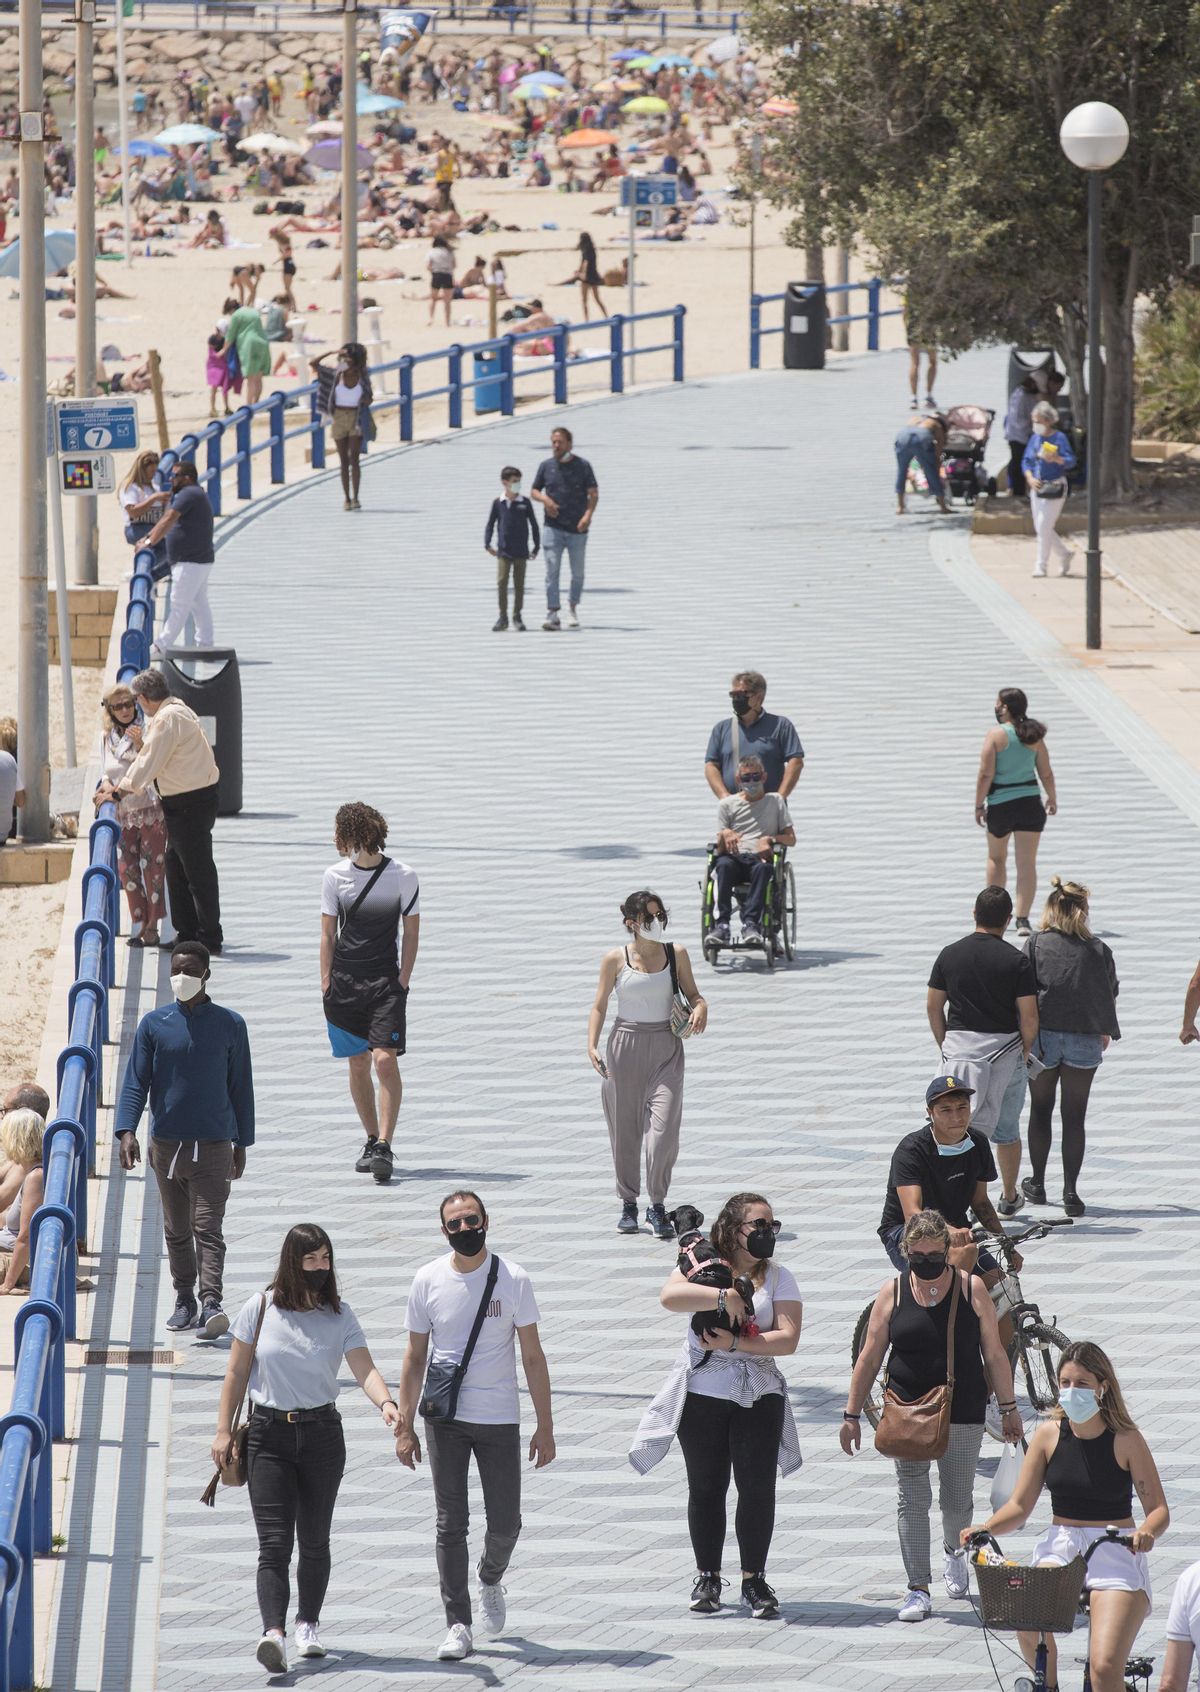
[{"x": 1004, "y": 1481}]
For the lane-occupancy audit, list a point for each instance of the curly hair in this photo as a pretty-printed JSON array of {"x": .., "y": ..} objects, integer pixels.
[{"x": 359, "y": 828}]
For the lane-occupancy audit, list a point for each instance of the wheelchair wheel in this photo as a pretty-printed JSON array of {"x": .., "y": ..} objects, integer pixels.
[{"x": 787, "y": 914}]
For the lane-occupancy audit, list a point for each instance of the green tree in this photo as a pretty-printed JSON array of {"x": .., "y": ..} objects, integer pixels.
[{"x": 929, "y": 130}]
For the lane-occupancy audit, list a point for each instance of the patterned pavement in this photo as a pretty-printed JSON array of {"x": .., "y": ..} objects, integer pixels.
[{"x": 534, "y": 780}]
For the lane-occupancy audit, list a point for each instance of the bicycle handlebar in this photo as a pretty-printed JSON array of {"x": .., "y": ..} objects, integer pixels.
[
  {"x": 1031, "y": 1231},
  {"x": 1112, "y": 1536}
]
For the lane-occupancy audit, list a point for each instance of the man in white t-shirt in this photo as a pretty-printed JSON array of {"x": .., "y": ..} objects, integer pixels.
[
  {"x": 750, "y": 824},
  {"x": 1183, "y": 1631},
  {"x": 443, "y": 1303}
]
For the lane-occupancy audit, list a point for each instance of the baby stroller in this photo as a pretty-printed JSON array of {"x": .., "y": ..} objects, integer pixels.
[{"x": 967, "y": 431}]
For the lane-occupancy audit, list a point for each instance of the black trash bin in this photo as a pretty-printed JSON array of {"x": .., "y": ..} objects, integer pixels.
[
  {"x": 804, "y": 322},
  {"x": 207, "y": 679},
  {"x": 1022, "y": 363}
]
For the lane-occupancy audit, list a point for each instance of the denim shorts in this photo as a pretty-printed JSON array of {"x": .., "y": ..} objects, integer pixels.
[
  {"x": 1077, "y": 1051},
  {"x": 1007, "y": 1131},
  {"x": 891, "y": 1244}
]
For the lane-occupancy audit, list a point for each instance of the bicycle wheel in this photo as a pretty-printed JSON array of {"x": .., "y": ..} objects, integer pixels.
[
  {"x": 1038, "y": 1349},
  {"x": 789, "y": 914},
  {"x": 872, "y": 1404}
]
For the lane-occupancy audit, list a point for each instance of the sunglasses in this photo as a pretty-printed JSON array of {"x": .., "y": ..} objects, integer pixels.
[
  {"x": 774, "y": 1226},
  {"x": 457, "y": 1222},
  {"x": 123, "y": 705}
]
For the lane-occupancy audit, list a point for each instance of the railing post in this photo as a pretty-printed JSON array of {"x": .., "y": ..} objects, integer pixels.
[
  {"x": 560, "y": 363},
  {"x": 507, "y": 394},
  {"x": 755, "y": 330},
  {"x": 874, "y": 289},
  {"x": 275, "y": 404},
  {"x": 241, "y": 433},
  {"x": 187, "y": 448},
  {"x": 678, "y": 313},
  {"x": 406, "y": 397},
  {"x": 213, "y": 465},
  {"x": 454, "y": 382},
  {"x": 616, "y": 355},
  {"x": 316, "y": 450}
]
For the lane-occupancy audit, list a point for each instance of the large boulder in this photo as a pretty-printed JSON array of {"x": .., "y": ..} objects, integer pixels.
[{"x": 180, "y": 47}]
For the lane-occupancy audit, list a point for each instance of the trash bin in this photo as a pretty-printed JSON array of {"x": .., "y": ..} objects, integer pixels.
[
  {"x": 207, "y": 679},
  {"x": 804, "y": 321},
  {"x": 488, "y": 391},
  {"x": 1022, "y": 364}
]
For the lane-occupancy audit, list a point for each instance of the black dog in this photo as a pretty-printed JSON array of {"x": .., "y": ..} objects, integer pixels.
[{"x": 700, "y": 1263}]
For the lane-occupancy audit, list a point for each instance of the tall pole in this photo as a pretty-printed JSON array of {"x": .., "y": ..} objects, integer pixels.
[
  {"x": 349, "y": 171},
  {"x": 841, "y": 334},
  {"x": 33, "y": 655},
  {"x": 123, "y": 132},
  {"x": 756, "y": 172},
  {"x": 1094, "y": 412},
  {"x": 87, "y": 536}
]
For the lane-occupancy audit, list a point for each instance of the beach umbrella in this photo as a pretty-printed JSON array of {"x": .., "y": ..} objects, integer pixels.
[
  {"x": 326, "y": 127},
  {"x": 327, "y": 155},
  {"x": 776, "y": 107},
  {"x": 535, "y": 91},
  {"x": 144, "y": 150},
  {"x": 265, "y": 142},
  {"x": 60, "y": 250},
  {"x": 368, "y": 104},
  {"x": 646, "y": 103},
  {"x": 642, "y": 62},
  {"x": 544, "y": 76},
  {"x": 723, "y": 48},
  {"x": 185, "y": 134},
  {"x": 626, "y": 53},
  {"x": 589, "y": 138}
]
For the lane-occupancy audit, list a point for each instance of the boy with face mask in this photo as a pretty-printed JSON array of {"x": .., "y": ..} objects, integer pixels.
[
  {"x": 191, "y": 1060},
  {"x": 750, "y": 824},
  {"x": 512, "y": 522}
]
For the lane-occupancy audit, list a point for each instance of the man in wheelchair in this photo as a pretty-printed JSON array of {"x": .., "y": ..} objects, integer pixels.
[{"x": 750, "y": 824}]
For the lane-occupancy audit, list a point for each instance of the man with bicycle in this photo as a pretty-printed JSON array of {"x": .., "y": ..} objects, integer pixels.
[{"x": 945, "y": 1166}]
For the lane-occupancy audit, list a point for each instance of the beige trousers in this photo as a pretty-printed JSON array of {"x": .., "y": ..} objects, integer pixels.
[{"x": 643, "y": 1101}]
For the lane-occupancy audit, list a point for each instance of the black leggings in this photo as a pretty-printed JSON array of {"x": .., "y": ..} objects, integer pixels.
[
  {"x": 719, "y": 1438},
  {"x": 293, "y": 1470},
  {"x": 1016, "y": 475},
  {"x": 1076, "y": 1084}
]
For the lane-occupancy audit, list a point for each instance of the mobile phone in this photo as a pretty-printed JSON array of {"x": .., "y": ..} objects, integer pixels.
[{"x": 603, "y": 1069}]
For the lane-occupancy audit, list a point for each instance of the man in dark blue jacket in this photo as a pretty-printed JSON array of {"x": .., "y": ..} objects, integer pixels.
[
  {"x": 514, "y": 525},
  {"x": 191, "y": 1059}
]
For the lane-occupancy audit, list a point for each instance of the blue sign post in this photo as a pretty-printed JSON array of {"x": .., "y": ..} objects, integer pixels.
[
  {"x": 101, "y": 425},
  {"x": 645, "y": 197}
]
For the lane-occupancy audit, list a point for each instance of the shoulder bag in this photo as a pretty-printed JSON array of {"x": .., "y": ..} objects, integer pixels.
[
  {"x": 353, "y": 911},
  {"x": 681, "y": 1006},
  {"x": 443, "y": 1381},
  {"x": 920, "y": 1432},
  {"x": 233, "y": 1471}
]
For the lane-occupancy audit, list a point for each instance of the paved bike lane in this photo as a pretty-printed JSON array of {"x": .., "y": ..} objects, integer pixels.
[{"x": 534, "y": 780}]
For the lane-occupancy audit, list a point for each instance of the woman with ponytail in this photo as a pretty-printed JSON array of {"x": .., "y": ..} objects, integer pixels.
[
  {"x": 1077, "y": 986},
  {"x": 1014, "y": 766}
]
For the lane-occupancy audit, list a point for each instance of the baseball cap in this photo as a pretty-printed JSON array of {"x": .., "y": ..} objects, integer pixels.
[{"x": 943, "y": 1084}]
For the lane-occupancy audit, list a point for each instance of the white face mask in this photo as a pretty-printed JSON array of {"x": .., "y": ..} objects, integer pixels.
[
  {"x": 514, "y": 488},
  {"x": 186, "y": 986},
  {"x": 1041, "y": 429},
  {"x": 653, "y": 930}
]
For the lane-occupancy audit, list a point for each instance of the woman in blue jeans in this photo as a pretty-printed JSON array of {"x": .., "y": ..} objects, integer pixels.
[{"x": 923, "y": 437}]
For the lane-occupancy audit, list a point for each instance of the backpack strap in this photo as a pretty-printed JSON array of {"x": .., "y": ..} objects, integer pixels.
[{"x": 374, "y": 877}]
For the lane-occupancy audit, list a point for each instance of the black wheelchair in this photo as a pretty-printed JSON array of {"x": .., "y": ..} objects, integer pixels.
[{"x": 779, "y": 912}]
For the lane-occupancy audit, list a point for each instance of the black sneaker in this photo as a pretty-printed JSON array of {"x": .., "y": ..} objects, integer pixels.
[
  {"x": 184, "y": 1314},
  {"x": 706, "y": 1594},
  {"x": 1010, "y": 1206},
  {"x": 500, "y": 623},
  {"x": 1034, "y": 1191},
  {"x": 764, "y": 1606},
  {"x": 363, "y": 1166},
  {"x": 628, "y": 1223},
  {"x": 1072, "y": 1203},
  {"x": 660, "y": 1222},
  {"x": 213, "y": 1321},
  {"x": 381, "y": 1162},
  {"x": 1023, "y": 928},
  {"x": 518, "y": 622}
]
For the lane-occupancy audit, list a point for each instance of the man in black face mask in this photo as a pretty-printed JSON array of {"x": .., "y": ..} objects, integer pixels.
[
  {"x": 752, "y": 731},
  {"x": 470, "y": 1295}
]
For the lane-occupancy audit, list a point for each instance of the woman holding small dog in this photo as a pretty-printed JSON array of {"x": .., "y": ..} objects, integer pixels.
[
  {"x": 728, "y": 1403},
  {"x": 642, "y": 1093}
]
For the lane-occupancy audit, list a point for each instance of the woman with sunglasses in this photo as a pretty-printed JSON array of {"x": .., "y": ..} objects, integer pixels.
[
  {"x": 143, "y": 503},
  {"x": 728, "y": 1402},
  {"x": 142, "y": 848},
  {"x": 642, "y": 1068}
]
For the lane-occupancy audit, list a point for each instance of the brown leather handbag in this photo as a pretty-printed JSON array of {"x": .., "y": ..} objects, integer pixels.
[
  {"x": 920, "y": 1432},
  {"x": 233, "y": 1472}
]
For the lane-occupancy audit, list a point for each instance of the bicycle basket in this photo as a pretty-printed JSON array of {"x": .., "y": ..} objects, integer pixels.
[{"x": 1042, "y": 1599}]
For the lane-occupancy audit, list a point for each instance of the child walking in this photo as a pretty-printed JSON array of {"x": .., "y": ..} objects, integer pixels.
[
  {"x": 512, "y": 522},
  {"x": 217, "y": 374}
]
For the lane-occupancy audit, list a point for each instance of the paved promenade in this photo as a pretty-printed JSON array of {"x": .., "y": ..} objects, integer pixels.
[{"x": 535, "y": 780}]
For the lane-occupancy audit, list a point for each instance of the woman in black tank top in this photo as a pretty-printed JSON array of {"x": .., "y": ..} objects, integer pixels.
[
  {"x": 910, "y": 1321},
  {"x": 1092, "y": 1459}
]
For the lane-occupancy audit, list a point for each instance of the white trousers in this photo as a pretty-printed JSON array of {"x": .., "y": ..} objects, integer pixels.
[
  {"x": 1045, "y": 519},
  {"x": 189, "y": 593}
]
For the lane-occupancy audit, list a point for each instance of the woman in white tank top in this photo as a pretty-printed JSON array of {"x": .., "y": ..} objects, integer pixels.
[{"x": 642, "y": 1068}]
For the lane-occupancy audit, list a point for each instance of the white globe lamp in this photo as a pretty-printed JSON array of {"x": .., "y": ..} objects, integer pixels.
[{"x": 1094, "y": 136}]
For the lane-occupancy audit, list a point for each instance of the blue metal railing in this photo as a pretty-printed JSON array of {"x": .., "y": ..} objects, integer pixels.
[
  {"x": 497, "y": 369},
  {"x": 528, "y": 16},
  {"x": 46, "y": 1320},
  {"x": 871, "y": 317}
]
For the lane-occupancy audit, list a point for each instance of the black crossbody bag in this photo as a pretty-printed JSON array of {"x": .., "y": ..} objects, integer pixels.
[{"x": 443, "y": 1381}]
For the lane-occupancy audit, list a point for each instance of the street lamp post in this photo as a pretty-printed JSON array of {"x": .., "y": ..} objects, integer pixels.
[
  {"x": 1094, "y": 136},
  {"x": 349, "y": 170}
]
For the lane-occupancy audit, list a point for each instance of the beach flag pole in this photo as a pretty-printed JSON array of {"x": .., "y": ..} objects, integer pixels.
[{"x": 87, "y": 535}]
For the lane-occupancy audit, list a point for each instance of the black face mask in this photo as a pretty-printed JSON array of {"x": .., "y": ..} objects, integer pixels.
[
  {"x": 926, "y": 1267},
  {"x": 760, "y": 1241},
  {"x": 468, "y": 1242},
  {"x": 317, "y": 1279},
  {"x": 740, "y": 703},
  {"x": 998, "y": 713}
]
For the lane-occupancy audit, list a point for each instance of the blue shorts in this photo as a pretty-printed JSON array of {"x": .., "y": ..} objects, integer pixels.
[
  {"x": 1077, "y": 1051},
  {"x": 891, "y": 1244},
  {"x": 345, "y": 1045},
  {"x": 1007, "y": 1131}
]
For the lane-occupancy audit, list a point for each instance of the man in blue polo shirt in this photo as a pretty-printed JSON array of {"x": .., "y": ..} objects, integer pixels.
[
  {"x": 752, "y": 732},
  {"x": 566, "y": 489},
  {"x": 187, "y": 526}
]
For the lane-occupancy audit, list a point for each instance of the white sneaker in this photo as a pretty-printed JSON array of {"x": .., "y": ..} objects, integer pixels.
[
  {"x": 1037, "y": 572},
  {"x": 552, "y": 621},
  {"x": 1064, "y": 565},
  {"x": 272, "y": 1653},
  {"x": 954, "y": 1573},
  {"x": 572, "y": 617},
  {"x": 456, "y": 1645},
  {"x": 493, "y": 1609},
  {"x": 308, "y": 1640},
  {"x": 916, "y": 1606}
]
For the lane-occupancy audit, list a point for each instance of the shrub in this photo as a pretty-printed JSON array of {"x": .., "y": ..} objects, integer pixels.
[{"x": 1167, "y": 370}]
